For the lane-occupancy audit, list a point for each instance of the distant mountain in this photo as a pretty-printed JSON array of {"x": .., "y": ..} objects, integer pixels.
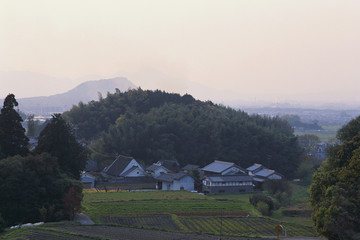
[{"x": 84, "y": 92}]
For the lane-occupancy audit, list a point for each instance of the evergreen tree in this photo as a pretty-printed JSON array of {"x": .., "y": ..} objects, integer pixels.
[
  {"x": 335, "y": 191},
  {"x": 12, "y": 135},
  {"x": 58, "y": 140},
  {"x": 32, "y": 189}
]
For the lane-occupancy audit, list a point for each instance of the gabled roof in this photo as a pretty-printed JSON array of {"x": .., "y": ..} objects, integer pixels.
[
  {"x": 118, "y": 165},
  {"x": 230, "y": 178},
  {"x": 124, "y": 174},
  {"x": 219, "y": 166},
  {"x": 172, "y": 165},
  {"x": 154, "y": 167},
  {"x": 167, "y": 177}
]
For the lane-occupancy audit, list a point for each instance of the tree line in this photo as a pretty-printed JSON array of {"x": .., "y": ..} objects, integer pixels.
[
  {"x": 35, "y": 185},
  {"x": 155, "y": 125}
]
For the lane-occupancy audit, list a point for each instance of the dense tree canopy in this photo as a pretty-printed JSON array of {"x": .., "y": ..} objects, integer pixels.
[
  {"x": 153, "y": 125},
  {"x": 58, "y": 140},
  {"x": 97, "y": 116},
  {"x": 12, "y": 135},
  {"x": 295, "y": 121},
  {"x": 32, "y": 189},
  {"x": 335, "y": 191}
]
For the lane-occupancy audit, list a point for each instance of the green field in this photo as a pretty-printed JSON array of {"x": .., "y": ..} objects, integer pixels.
[
  {"x": 181, "y": 211},
  {"x": 326, "y": 135}
]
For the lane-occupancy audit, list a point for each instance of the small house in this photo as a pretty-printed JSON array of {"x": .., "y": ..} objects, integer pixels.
[
  {"x": 228, "y": 184},
  {"x": 88, "y": 180},
  {"x": 223, "y": 168},
  {"x": 123, "y": 167},
  {"x": 261, "y": 173},
  {"x": 175, "y": 181},
  {"x": 156, "y": 169},
  {"x": 171, "y": 165}
]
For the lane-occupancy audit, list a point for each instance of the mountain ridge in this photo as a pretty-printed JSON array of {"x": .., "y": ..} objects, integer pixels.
[{"x": 84, "y": 92}]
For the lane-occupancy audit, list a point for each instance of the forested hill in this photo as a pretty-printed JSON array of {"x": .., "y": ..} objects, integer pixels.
[{"x": 154, "y": 125}]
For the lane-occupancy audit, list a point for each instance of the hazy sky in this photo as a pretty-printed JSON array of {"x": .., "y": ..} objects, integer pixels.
[{"x": 272, "y": 50}]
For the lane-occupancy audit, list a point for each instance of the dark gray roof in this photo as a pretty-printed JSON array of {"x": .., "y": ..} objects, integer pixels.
[
  {"x": 230, "y": 178},
  {"x": 154, "y": 166},
  {"x": 218, "y": 166},
  {"x": 190, "y": 167},
  {"x": 91, "y": 166},
  {"x": 254, "y": 167},
  {"x": 264, "y": 173},
  {"x": 118, "y": 165},
  {"x": 167, "y": 177},
  {"x": 172, "y": 165}
]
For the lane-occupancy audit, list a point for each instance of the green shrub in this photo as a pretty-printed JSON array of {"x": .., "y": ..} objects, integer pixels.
[
  {"x": 263, "y": 208},
  {"x": 263, "y": 203},
  {"x": 280, "y": 189},
  {"x": 262, "y": 198},
  {"x": 283, "y": 198}
]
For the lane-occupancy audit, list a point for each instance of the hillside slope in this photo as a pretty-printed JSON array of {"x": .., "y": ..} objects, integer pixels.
[{"x": 84, "y": 92}]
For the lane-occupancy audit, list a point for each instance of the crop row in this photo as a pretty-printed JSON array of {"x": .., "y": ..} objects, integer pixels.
[
  {"x": 156, "y": 221},
  {"x": 241, "y": 225},
  {"x": 227, "y": 225}
]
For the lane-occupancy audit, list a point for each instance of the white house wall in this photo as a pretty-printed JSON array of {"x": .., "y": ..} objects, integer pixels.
[
  {"x": 158, "y": 171},
  {"x": 130, "y": 165},
  {"x": 137, "y": 172},
  {"x": 186, "y": 183}
]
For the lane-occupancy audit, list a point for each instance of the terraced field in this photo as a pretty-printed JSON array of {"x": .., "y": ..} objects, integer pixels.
[
  {"x": 155, "y": 221},
  {"x": 242, "y": 226},
  {"x": 186, "y": 212}
]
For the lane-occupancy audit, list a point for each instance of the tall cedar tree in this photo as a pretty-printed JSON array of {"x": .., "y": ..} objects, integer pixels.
[
  {"x": 12, "y": 135},
  {"x": 58, "y": 140}
]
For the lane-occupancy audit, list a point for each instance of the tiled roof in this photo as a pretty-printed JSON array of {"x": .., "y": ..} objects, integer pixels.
[
  {"x": 218, "y": 166},
  {"x": 153, "y": 167},
  {"x": 230, "y": 178},
  {"x": 172, "y": 165},
  {"x": 118, "y": 165},
  {"x": 167, "y": 177},
  {"x": 264, "y": 173},
  {"x": 254, "y": 167}
]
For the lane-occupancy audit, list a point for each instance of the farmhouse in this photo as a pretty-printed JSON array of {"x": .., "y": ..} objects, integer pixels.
[
  {"x": 177, "y": 181},
  {"x": 123, "y": 167},
  {"x": 223, "y": 168},
  {"x": 88, "y": 180},
  {"x": 171, "y": 165},
  {"x": 261, "y": 173},
  {"x": 156, "y": 169},
  {"x": 228, "y": 184}
]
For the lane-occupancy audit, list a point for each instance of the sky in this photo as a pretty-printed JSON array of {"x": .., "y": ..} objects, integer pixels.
[{"x": 249, "y": 50}]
